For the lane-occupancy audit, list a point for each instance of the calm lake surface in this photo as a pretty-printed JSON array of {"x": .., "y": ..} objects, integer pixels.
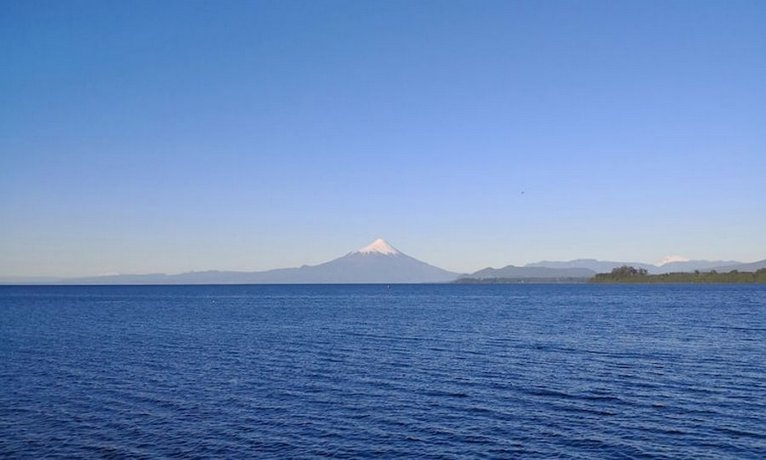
[{"x": 424, "y": 371}]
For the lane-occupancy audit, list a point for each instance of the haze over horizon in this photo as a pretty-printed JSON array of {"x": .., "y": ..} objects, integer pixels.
[{"x": 146, "y": 137}]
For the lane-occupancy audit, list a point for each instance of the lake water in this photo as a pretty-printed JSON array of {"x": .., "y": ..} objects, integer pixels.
[{"x": 426, "y": 371}]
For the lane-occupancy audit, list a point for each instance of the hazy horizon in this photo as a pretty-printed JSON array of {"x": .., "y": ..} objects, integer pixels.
[
  {"x": 366, "y": 249},
  {"x": 167, "y": 137}
]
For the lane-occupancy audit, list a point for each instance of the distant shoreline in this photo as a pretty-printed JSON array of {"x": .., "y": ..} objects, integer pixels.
[
  {"x": 520, "y": 281},
  {"x": 628, "y": 275},
  {"x": 658, "y": 279}
]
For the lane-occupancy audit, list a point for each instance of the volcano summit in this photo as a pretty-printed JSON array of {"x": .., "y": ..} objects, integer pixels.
[{"x": 378, "y": 262}]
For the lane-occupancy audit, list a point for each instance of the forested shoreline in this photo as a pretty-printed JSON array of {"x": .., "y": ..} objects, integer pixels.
[{"x": 626, "y": 274}]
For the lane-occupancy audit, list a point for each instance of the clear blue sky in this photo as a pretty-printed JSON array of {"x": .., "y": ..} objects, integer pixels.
[{"x": 161, "y": 136}]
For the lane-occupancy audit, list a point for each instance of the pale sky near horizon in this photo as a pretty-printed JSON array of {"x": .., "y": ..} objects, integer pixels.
[{"x": 145, "y": 136}]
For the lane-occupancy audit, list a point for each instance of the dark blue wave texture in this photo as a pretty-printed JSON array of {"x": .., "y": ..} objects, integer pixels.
[{"x": 403, "y": 371}]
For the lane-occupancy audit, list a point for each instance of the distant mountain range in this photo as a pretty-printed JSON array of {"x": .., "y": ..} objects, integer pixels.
[
  {"x": 746, "y": 267},
  {"x": 596, "y": 266},
  {"x": 586, "y": 268},
  {"x": 379, "y": 262},
  {"x": 529, "y": 272},
  {"x": 601, "y": 266}
]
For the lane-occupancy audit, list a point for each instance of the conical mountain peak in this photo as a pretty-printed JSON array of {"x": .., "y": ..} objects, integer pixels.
[{"x": 379, "y": 246}]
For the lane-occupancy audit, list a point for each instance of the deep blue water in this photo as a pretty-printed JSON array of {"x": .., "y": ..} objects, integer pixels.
[{"x": 529, "y": 371}]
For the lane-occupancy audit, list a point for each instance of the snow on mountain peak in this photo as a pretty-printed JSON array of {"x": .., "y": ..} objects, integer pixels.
[
  {"x": 379, "y": 246},
  {"x": 669, "y": 259}
]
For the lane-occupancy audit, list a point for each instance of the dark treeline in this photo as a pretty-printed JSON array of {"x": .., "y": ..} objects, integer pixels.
[{"x": 627, "y": 274}]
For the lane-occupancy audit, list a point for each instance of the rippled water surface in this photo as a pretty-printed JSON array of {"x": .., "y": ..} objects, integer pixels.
[{"x": 530, "y": 371}]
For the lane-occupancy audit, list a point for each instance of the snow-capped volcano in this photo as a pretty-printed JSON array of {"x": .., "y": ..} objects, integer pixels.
[
  {"x": 378, "y": 262},
  {"x": 670, "y": 259},
  {"x": 379, "y": 246}
]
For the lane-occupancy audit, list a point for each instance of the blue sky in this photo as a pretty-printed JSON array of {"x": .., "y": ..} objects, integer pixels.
[{"x": 172, "y": 136}]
